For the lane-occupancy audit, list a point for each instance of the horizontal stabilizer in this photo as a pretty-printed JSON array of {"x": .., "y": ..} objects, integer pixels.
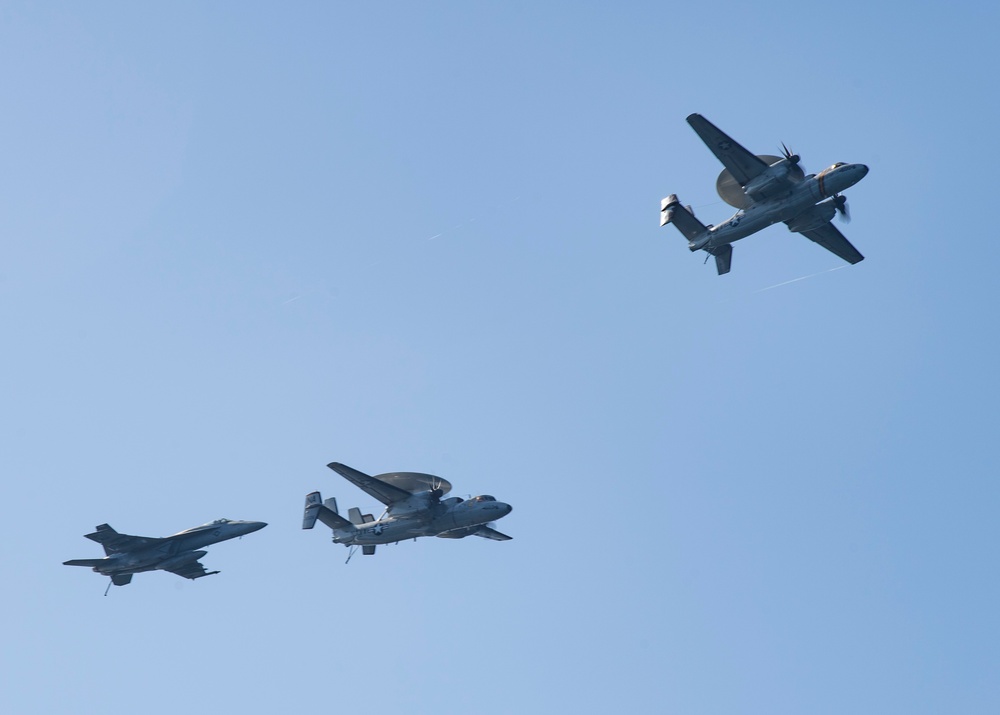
[
  {"x": 84, "y": 562},
  {"x": 317, "y": 509},
  {"x": 671, "y": 211}
]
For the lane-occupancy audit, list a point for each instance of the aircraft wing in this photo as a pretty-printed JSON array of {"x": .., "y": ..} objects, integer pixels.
[
  {"x": 743, "y": 165},
  {"x": 384, "y": 492},
  {"x": 191, "y": 570},
  {"x": 488, "y": 533},
  {"x": 115, "y": 543},
  {"x": 483, "y": 531},
  {"x": 830, "y": 238}
]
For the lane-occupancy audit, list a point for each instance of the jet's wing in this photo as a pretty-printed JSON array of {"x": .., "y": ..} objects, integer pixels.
[
  {"x": 743, "y": 165},
  {"x": 115, "y": 543},
  {"x": 385, "y": 493},
  {"x": 191, "y": 570},
  {"x": 830, "y": 238}
]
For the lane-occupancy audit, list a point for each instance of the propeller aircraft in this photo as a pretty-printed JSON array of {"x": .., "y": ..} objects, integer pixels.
[
  {"x": 766, "y": 189},
  {"x": 413, "y": 508}
]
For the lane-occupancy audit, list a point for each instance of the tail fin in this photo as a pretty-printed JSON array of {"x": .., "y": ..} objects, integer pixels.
[
  {"x": 671, "y": 211},
  {"x": 694, "y": 231},
  {"x": 325, "y": 512},
  {"x": 723, "y": 257},
  {"x": 313, "y": 503}
]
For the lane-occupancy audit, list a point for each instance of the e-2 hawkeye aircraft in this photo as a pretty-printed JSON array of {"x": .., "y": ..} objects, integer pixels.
[
  {"x": 766, "y": 189},
  {"x": 413, "y": 508},
  {"x": 127, "y": 555}
]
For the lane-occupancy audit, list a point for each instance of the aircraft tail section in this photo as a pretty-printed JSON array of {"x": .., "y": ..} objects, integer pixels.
[
  {"x": 723, "y": 257},
  {"x": 325, "y": 512},
  {"x": 671, "y": 211}
]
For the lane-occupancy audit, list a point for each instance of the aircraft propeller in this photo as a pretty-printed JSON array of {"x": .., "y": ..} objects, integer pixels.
[
  {"x": 793, "y": 159},
  {"x": 840, "y": 202},
  {"x": 787, "y": 153}
]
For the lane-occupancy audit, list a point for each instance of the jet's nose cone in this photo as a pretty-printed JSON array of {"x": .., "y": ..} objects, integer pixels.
[
  {"x": 864, "y": 170},
  {"x": 505, "y": 508},
  {"x": 252, "y": 526}
]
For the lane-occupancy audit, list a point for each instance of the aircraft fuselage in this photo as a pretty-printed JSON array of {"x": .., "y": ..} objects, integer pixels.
[
  {"x": 431, "y": 522},
  {"x": 804, "y": 196}
]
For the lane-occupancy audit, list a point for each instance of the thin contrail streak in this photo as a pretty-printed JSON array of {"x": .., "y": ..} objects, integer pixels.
[{"x": 801, "y": 278}]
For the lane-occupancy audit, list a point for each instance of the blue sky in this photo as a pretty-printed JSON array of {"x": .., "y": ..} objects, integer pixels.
[{"x": 241, "y": 241}]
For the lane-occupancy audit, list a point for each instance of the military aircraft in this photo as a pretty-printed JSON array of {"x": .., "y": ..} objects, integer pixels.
[
  {"x": 413, "y": 507},
  {"x": 766, "y": 189},
  {"x": 127, "y": 555}
]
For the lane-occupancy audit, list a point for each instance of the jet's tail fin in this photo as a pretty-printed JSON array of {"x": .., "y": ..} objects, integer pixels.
[
  {"x": 326, "y": 512},
  {"x": 671, "y": 211},
  {"x": 106, "y": 537}
]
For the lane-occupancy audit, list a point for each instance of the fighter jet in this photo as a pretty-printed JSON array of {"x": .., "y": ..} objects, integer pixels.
[
  {"x": 766, "y": 189},
  {"x": 127, "y": 555},
  {"x": 413, "y": 507}
]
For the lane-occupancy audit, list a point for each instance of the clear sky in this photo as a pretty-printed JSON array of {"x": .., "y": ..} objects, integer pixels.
[{"x": 242, "y": 240}]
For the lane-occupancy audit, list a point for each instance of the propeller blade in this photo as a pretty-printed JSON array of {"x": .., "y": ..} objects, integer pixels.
[
  {"x": 841, "y": 203},
  {"x": 787, "y": 153}
]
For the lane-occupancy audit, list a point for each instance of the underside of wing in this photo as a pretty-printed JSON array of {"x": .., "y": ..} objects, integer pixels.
[
  {"x": 743, "y": 165},
  {"x": 191, "y": 570},
  {"x": 115, "y": 543},
  {"x": 830, "y": 238},
  {"x": 483, "y": 531},
  {"x": 488, "y": 533},
  {"x": 383, "y": 491}
]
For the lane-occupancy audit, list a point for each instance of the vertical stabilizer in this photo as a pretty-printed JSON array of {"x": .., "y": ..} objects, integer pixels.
[{"x": 314, "y": 502}]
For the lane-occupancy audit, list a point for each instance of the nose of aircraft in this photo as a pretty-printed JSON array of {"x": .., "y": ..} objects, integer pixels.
[
  {"x": 505, "y": 508},
  {"x": 251, "y": 526}
]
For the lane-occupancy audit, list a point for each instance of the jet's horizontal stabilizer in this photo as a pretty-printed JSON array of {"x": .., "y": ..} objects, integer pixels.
[{"x": 84, "y": 562}]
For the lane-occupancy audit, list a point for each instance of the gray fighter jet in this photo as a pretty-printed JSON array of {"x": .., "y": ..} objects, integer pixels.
[
  {"x": 766, "y": 189},
  {"x": 179, "y": 554},
  {"x": 413, "y": 507}
]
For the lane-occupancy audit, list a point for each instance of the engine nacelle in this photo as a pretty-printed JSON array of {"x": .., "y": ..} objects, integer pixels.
[
  {"x": 813, "y": 218},
  {"x": 772, "y": 181}
]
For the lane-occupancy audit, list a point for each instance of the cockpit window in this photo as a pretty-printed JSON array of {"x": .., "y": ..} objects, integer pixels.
[
  {"x": 221, "y": 521},
  {"x": 839, "y": 163},
  {"x": 481, "y": 498}
]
